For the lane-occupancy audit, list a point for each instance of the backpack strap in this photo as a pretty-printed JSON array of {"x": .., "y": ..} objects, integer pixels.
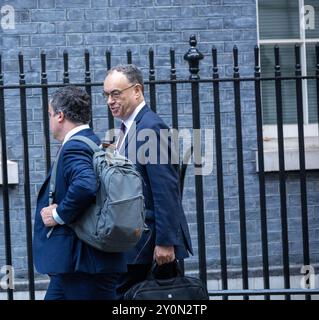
[
  {"x": 109, "y": 156},
  {"x": 88, "y": 141},
  {"x": 97, "y": 151}
]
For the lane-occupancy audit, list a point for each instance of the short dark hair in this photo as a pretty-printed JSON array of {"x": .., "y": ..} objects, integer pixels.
[
  {"x": 133, "y": 74},
  {"x": 74, "y": 102}
]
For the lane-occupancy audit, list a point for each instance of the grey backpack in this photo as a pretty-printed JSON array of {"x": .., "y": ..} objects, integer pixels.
[{"x": 115, "y": 222}]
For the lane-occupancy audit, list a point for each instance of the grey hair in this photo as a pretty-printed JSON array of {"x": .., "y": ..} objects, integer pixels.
[
  {"x": 133, "y": 74},
  {"x": 74, "y": 102}
]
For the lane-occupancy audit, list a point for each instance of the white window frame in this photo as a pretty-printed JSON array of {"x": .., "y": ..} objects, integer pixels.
[{"x": 291, "y": 130}]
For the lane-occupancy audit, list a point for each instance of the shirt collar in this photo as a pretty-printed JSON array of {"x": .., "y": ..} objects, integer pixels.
[
  {"x": 129, "y": 121},
  {"x": 74, "y": 131}
]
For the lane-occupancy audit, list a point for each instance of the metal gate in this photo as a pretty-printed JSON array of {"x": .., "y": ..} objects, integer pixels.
[{"x": 194, "y": 84}]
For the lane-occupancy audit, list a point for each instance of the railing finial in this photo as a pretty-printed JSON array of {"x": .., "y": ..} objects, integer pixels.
[{"x": 193, "y": 56}]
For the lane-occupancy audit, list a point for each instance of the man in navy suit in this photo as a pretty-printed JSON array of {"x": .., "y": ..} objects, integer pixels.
[
  {"x": 77, "y": 271},
  {"x": 167, "y": 237}
]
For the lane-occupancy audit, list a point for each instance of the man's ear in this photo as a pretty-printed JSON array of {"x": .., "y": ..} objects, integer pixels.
[
  {"x": 138, "y": 90},
  {"x": 60, "y": 116}
]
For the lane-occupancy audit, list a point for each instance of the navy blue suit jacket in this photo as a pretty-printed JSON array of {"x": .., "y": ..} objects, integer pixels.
[
  {"x": 164, "y": 212},
  {"x": 76, "y": 187}
]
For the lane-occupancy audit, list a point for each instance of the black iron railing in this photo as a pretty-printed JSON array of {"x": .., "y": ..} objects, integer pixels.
[{"x": 193, "y": 57}]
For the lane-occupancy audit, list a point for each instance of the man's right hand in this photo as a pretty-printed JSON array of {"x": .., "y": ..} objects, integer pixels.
[
  {"x": 47, "y": 215},
  {"x": 164, "y": 254}
]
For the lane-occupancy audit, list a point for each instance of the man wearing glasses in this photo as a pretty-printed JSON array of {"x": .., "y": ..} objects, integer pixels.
[{"x": 167, "y": 237}]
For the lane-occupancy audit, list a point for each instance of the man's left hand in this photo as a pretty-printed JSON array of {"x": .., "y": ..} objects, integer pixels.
[
  {"x": 47, "y": 215},
  {"x": 164, "y": 254}
]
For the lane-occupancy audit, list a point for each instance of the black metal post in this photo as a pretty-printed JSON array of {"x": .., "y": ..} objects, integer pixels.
[
  {"x": 108, "y": 67},
  {"x": 27, "y": 197},
  {"x": 66, "y": 67},
  {"x": 317, "y": 80},
  {"x": 173, "y": 90},
  {"x": 45, "y": 107},
  {"x": 129, "y": 56},
  {"x": 261, "y": 175},
  {"x": 151, "y": 79},
  {"x": 193, "y": 56},
  {"x": 302, "y": 161},
  {"x": 5, "y": 187},
  {"x": 220, "y": 174},
  {"x": 88, "y": 87},
  {"x": 240, "y": 173},
  {"x": 182, "y": 167},
  {"x": 282, "y": 173}
]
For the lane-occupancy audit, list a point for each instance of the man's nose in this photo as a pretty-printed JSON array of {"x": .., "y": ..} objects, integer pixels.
[{"x": 110, "y": 99}]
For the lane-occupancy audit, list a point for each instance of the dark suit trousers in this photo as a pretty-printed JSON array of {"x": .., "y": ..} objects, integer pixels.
[{"x": 82, "y": 286}]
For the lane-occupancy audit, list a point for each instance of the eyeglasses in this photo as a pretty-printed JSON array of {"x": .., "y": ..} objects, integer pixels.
[{"x": 115, "y": 94}]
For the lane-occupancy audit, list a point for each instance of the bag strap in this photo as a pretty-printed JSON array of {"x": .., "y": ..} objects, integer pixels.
[
  {"x": 110, "y": 156},
  {"x": 98, "y": 152},
  {"x": 88, "y": 141}
]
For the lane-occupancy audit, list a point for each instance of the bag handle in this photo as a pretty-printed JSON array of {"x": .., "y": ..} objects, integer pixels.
[{"x": 151, "y": 273}]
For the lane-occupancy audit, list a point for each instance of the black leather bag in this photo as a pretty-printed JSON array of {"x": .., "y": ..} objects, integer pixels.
[{"x": 175, "y": 288}]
